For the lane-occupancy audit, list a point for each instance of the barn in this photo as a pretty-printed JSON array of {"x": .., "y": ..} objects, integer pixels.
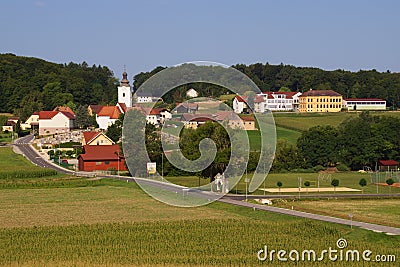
[{"x": 101, "y": 158}]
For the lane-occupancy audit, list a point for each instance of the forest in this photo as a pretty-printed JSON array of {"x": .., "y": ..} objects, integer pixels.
[{"x": 31, "y": 84}]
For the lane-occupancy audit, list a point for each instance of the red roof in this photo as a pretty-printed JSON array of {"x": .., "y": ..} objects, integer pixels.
[
  {"x": 48, "y": 115},
  {"x": 241, "y": 98},
  {"x": 123, "y": 107},
  {"x": 364, "y": 99},
  {"x": 289, "y": 95},
  {"x": 321, "y": 93},
  {"x": 64, "y": 109},
  {"x": 100, "y": 153},
  {"x": 88, "y": 136},
  {"x": 95, "y": 108},
  {"x": 388, "y": 162},
  {"x": 109, "y": 111},
  {"x": 247, "y": 118}
]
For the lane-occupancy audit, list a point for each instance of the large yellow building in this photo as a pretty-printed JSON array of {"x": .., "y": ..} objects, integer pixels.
[{"x": 320, "y": 101}]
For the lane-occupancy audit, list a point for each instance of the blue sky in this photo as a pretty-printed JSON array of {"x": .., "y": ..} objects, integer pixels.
[{"x": 350, "y": 35}]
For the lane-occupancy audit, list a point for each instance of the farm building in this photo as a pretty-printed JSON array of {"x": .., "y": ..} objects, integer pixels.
[
  {"x": 388, "y": 165},
  {"x": 101, "y": 158},
  {"x": 364, "y": 104}
]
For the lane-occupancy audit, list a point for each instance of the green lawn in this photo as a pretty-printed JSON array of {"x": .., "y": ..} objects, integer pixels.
[
  {"x": 9, "y": 161},
  {"x": 5, "y": 137}
]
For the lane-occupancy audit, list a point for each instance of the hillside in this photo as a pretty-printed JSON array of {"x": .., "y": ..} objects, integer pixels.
[{"x": 30, "y": 84}]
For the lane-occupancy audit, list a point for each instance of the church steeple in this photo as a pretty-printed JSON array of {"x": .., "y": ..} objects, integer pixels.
[
  {"x": 125, "y": 81},
  {"x": 125, "y": 90}
]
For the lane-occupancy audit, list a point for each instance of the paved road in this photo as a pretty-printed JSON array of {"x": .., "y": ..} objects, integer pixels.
[{"x": 25, "y": 147}]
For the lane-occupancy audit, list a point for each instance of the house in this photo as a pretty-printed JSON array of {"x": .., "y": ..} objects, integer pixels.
[
  {"x": 101, "y": 158},
  {"x": 364, "y": 104},
  {"x": 186, "y": 108},
  {"x": 143, "y": 97},
  {"x": 239, "y": 104},
  {"x": 156, "y": 116},
  {"x": 107, "y": 116},
  {"x": 192, "y": 93},
  {"x": 52, "y": 122},
  {"x": 320, "y": 101},
  {"x": 32, "y": 121},
  {"x": 193, "y": 121},
  {"x": 94, "y": 109},
  {"x": 388, "y": 165},
  {"x": 96, "y": 138},
  {"x": 279, "y": 101}
]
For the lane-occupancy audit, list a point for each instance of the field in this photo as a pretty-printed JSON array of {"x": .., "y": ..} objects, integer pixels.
[
  {"x": 9, "y": 161},
  {"x": 5, "y": 137},
  {"x": 67, "y": 221},
  {"x": 383, "y": 211},
  {"x": 115, "y": 223},
  {"x": 303, "y": 121}
]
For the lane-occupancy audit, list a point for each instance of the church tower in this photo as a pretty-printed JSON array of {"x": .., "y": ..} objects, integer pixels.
[{"x": 125, "y": 91}]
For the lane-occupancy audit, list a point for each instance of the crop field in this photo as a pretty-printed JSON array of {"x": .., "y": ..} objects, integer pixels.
[{"x": 115, "y": 223}]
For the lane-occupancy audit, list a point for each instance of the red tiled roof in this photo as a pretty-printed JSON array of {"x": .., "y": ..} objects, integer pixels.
[
  {"x": 363, "y": 99},
  {"x": 64, "y": 109},
  {"x": 88, "y": 136},
  {"x": 241, "y": 98},
  {"x": 247, "y": 118},
  {"x": 100, "y": 153},
  {"x": 95, "y": 108},
  {"x": 320, "y": 93},
  {"x": 388, "y": 162},
  {"x": 123, "y": 107},
  {"x": 289, "y": 95},
  {"x": 258, "y": 99},
  {"x": 48, "y": 115},
  {"x": 109, "y": 111}
]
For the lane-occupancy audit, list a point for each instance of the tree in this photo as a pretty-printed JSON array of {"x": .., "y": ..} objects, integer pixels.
[
  {"x": 114, "y": 132},
  {"x": 390, "y": 182},
  {"x": 307, "y": 184},
  {"x": 279, "y": 184},
  {"x": 319, "y": 146},
  {"x": 362, "y": 183},
  {"x": 82, "y": 118},
  {"x": 335, "y": 183},
  {"x": 284, "y": 89}
]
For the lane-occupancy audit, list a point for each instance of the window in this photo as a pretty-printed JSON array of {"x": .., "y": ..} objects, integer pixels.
[
  {"x": 98, "y": 162},
  {"x": 123, "y": 94},
  {"x": 106, "y": 162}
]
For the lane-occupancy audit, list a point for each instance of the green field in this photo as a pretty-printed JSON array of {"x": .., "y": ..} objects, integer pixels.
[
  {"x": 383, "y": 211},
  {"x": 116, "y": 223},
  {"x": 303, "y": 121},
  {"x": 5, "y": 137},
  {"x": 9, "y": 161}
]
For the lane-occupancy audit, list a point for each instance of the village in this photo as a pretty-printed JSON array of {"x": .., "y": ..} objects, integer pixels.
[{"x": 58, "y": 139}]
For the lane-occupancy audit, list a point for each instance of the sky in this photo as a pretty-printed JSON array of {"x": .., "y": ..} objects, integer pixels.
[{"x": 141, "y": 35}]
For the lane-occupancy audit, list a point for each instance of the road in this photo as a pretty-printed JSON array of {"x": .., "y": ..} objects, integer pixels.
[{"x": 24, "y": 145}]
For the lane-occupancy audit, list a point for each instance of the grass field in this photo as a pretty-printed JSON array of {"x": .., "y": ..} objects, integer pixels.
[
  {"x": 67, "y": 221},
  {"x": 303, "y": 121},
  {"x": 116, "y": 223},
  {"x": 9, "y": 161},
  {"x": 383, "y": 211},
  {"x": 5, "y": 137}
]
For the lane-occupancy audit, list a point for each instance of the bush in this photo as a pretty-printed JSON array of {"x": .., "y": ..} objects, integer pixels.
[
  {"x": 27, "y": 174},
  {"x": 342, "y": 167}
]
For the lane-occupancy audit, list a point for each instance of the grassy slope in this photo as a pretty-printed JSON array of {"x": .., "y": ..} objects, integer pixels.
[{"x": 9, "y": 161}]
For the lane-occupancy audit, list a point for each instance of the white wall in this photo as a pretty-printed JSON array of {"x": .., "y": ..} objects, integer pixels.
[
  {"x": 125, "y": 95},
  {"x": 58, "y": 124}
]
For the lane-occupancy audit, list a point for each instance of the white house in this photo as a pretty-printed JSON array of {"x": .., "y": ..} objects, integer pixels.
[
  {"x": 143, "y": 97},
  {"x": 156, "y": 116},
  {"x": 192, "y": 93},
  {"x": 107, "y": 116},
  {"x": 364, "y": 104},
  {"x": 51, "y": 122},
  {"x": 280, "y": 101},
  {"x": 239, "y": 104}
]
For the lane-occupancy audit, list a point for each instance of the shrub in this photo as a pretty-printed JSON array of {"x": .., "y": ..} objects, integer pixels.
[
  {"x": 319, "y": 168},
  {"x": 342, "y": 167}
]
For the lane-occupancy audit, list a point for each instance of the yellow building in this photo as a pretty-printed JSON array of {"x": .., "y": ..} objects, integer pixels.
[{"x": 320, "y": 101}]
